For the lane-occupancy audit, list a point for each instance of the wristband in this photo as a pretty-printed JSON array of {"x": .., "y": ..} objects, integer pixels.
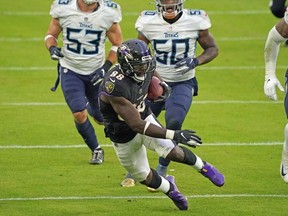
[
  {"x": 114, "y": 48},
  {"x": 49, "y": 36},
  {"x": 170, "y": 134}
]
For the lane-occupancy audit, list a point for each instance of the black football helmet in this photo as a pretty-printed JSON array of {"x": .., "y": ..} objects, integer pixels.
[
  {"x": 165, "y": 6},
  {"x": 135, "y": 59}
]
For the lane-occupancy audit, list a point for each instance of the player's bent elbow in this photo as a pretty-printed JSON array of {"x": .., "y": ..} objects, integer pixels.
[{"x": 137, "y": 127}]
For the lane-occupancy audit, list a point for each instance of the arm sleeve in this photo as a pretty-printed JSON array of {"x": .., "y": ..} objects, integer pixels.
[{"x": 271, "y": 51}]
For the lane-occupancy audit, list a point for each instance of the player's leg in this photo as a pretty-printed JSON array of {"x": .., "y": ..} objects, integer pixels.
[
  {"x": 129, "y": 180},
  {"x": 284, "y": 160},
  {"x": 177, "y": 107},
  {"x": 133, "y": 158},
  {"x": 168, "y": 149},
  {"x": 73, "y": 88},
  {"x": 278, "y": 7},
  {"x": 92, "y": 92}
]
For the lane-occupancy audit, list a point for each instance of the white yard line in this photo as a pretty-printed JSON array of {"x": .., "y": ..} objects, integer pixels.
[
  {"x": 144, "y": 197},
  {"x": 19, "y": 146}
]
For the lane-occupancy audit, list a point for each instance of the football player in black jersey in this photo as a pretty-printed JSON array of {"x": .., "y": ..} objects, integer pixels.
[{"x": 131, "y": 126}]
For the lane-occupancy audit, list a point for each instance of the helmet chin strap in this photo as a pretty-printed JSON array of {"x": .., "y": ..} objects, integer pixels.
[{"x": 139, "y": 78}]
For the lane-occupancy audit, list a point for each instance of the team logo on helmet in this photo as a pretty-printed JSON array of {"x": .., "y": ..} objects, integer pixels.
[{"x": 125, "y": 51}]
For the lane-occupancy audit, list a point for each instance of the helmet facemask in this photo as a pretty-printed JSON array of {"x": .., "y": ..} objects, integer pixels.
[{"x": 167, "y": 7}]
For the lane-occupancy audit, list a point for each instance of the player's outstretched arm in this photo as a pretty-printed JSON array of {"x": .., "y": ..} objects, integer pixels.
[
  {"x": 132, "y": 117},
  {"x": 275, "y": 37}
]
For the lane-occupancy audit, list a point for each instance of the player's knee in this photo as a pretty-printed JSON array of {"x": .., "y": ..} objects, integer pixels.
[
  {"x": 80, "y": 117},
  {"x": 176, "y": 154}
]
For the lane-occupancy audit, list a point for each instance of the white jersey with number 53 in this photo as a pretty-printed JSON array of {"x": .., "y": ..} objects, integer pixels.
[
  {"x": 173, "y": 42},
  {"x": 84, "y": 34}
]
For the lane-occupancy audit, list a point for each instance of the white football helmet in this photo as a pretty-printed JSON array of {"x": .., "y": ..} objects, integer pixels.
[
  {"x": 90, "y": 2},
  {"x": 169, "y": 6}
]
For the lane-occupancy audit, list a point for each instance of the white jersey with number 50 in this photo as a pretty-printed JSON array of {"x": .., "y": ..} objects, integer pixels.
[
  {"x": 173, "y": 42},
  {"x": 84, "y": 34}
]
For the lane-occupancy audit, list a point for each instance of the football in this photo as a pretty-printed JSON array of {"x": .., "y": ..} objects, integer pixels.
[{"x": 155, "y": 90}]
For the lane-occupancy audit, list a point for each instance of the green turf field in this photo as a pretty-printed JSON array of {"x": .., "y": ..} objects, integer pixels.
[{"x": 44, "y": 166}]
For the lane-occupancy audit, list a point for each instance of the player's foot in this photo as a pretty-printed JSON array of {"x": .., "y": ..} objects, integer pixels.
[
  {"x": 129, "y": 181},
  {"x": 212, "y": 174},
  {"x": 97, "y": 156},
  {"x": 179, "y": 199},
  {"x": 284, "y": 172},
  {"x": 284, "y": 166}
]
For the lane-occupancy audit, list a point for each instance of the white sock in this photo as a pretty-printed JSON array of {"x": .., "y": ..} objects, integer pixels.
[
  {"x": 198, "y": 164},
  {"x": 285, "y": 145},
  {"x": 165, "y": 185}
]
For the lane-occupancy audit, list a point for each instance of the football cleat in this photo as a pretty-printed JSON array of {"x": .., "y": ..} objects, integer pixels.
[
  {"x": 179, "y": 199},
  {"x": 284, "y": 165},
  {"x": 128, "y": 182},
  {"x": 152, "y": 190},
  {"x": 284, "y": 172},
  {"x": 212, "y": 174},
  {"x": 97, "y": 157}
]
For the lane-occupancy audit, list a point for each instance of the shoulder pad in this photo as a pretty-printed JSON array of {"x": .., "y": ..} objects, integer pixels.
[
  {"x": 57, "y": 7},
  {"x": 148, "y": 13},
  {"x": 197, "y": 12},
  {"x": 112, "y": 4}
]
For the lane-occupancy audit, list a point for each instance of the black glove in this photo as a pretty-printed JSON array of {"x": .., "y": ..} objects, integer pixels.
[
  {"x": 187, "y": 137},
  {"x": 55, "y": 53},
  {"x": 186, "y": 64},
  {"x": 98, "y": 75},
  {"x": 166, "y": 93}
]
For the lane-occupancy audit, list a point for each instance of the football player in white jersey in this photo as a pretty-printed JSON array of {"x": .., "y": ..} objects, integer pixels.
[
  {"x": 277, "y": 35},
  {"x": 174, "y": 33},
  {"x": 85, "y": 25}
]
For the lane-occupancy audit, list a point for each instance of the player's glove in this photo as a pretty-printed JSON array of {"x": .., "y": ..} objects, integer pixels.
[
  {"x": 98, "y": 75},
  {"x": 186, "y": 64},
  {"x": 55, "y": 53},
  {"x": 187, "y": 137},
  {"x": 270, "y": 84},
  {"x": 166, "y": 92}
]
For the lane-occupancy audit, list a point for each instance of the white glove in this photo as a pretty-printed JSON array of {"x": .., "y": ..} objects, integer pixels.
[{"x": 270, "y": 84}]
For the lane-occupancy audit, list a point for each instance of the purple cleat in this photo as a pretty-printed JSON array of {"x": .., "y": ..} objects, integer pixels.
[
  {"x": 179, "y": 199},
  {"x": 212, "y": 174}
]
